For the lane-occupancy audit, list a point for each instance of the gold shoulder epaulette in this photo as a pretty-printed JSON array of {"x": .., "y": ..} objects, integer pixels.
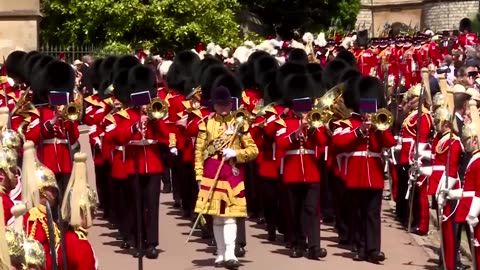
[
  {"x": 124, "y": 114},
  {"x": 245, "y": 98},
  {"x": 187, "y": 104},
  {"x": 344, "y": 122},
  {"x": 82, "y": 235},
  {"x": 110, "y": 118},
  {"x": 90, "y": 100},
  {"x": 281, "y": 122},
  {"x": 35, "y": 214}
]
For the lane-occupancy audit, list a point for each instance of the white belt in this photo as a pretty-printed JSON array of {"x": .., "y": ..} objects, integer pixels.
[
  {"x": 408, "y": 140},
  {"x": 438, "y": 168},
  {"x": 120, "y": 148},
  {"x": 363, "y": 154},
  {"x": 468, "y": 194},
  {"x": 55, "y": 141},
  {"x": 142, "y": 142},
  {"x": 300, "y": 152}
]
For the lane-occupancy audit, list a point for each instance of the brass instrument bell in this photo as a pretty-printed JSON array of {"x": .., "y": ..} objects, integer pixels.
[
  {"x": 315, "y": 118},
  {"x": 157, "y": 109},
  {"x": 72, "y": 112},
  {"x": 34, "y": 253},
  {"x": 382, "y": 119}
]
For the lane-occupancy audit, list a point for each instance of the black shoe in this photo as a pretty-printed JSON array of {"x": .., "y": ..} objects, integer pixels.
[
  {"x": 177, "y": 204},
  {"x": 167, "y": 188},
  {"x": 125, "y": 245},
  {"x": 212, "y": 243},
  {"x": 240, "y": 251},
  {"x": 272, "y": 235},
  {"x": 359, "y": 257},
  {"x": 232, "y": 264},
  {"x": 137, "y": 253},
  {"x": 344, "y": 242},
  {"x": 316, "y": 253},
  {"x": 151, "y": 253},
  {"x": 215, "y": 252},
  {"x": 219, "y": 264},
  {"x": 328, "y": 220},
  {"x": 417, "y": 231},
  {"x": 187, "y": 214},
  {"x": 296, "y": 252},
  {"x": 112, "y": 226},
  {"x": 376, "y": 257},
  {"x": 261, "y": 221}
]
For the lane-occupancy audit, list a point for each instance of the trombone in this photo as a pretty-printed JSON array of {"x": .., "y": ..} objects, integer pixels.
[
  {"x": 72, "y": 112},
  {"x": 382, "y": 119},
  {"x": 157, "y": 109}
]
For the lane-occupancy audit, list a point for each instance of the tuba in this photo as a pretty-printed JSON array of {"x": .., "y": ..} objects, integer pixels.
[
  {"x": 330, "y": 107},
  {"x": 382, "y": 119},
  {"x": 157, "y": 109}
]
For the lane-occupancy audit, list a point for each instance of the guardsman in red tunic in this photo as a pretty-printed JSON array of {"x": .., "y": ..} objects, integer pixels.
[
  {"x": 447, "y": 144},
  {"x": 78, "y": 209},
  {"x": 468, "y": 208},
  {"x": 296, "y": 141},
  {"x": 178, "y": 79},
  {"x": 43, "y": 183},
  {"x": 14, "y": 79},
  {"x": 361, "y": 145},
  {"x": 366, "y": 59},
  {"x": 467, "y": 37},
  {"x": 141, "y": 133},
  {"x": 407, "y": 152},
  {"x": 58, "y": 130}
]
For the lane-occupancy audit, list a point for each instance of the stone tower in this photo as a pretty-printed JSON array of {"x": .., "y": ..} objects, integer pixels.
[
  {"x": 19, "y": 25},
  {"x": 432, "y": 14}
]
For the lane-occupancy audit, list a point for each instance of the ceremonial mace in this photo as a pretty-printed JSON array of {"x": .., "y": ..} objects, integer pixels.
[{"x": 239, "y": 123}]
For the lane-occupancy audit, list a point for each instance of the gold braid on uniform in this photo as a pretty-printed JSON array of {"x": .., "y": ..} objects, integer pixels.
[{"x": 37, "y": 216}]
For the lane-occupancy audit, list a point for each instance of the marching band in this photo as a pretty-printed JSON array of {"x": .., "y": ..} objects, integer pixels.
[{"x": 309, "y": 126}]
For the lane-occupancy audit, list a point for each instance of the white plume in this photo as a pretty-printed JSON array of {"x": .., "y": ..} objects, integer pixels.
[
  {"x": 354, "y": 37},
  {"x": 202, "y": 54},
  {"x": 164, "y": 67},
  {"x": 242, "y": 53},
  {"x": 297, "y": 45},
  {"x": 211, "y": 48},
  {"x": 280, "y": 59},
  {"x": 226, "y": 52},
  {"x": 429, "y": 33},
  {"x": 308, "y": 37},
  {"x": 249, "y": 44},
  {"x": 347, "y": 42},
  {"x": 218, "y": 50},
  {"x": 321, "y": 41}
]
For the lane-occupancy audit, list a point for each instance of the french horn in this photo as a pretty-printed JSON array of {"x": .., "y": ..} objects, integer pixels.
[
  {"x": 382, "y": 119},
  {"x": 157, "y": 109}
]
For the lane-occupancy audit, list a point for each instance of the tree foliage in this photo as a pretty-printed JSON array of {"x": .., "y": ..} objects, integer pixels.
[
  {"x": 151, "y": 24},
  {"x": 305, "y": 15}
]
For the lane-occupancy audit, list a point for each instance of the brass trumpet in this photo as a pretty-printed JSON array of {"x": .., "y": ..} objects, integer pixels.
[
  {"x": 382, "y": 119},
  {"x": 243, "y": 113},
  {"x": 319, "y": 117},
  {"x": 157, "y": 109},
  {"x": 72, "y": 112}
]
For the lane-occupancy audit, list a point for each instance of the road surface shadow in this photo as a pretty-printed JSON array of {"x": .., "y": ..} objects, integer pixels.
[
  {"x": 282, "y": 251},
  {"x": 348, "y": 255},
  {"x": 210, "y": 262},
  {"x": 113, "y": 243}
]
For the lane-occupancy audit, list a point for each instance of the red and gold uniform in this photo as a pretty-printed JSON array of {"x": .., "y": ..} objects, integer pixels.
[
  {"x": 80, "y": 255},
  {"x": 35, "y": 223},
  {"x": 250, "y": 98},
  {"x": 366, "y": 60},
  {"x": 468, "y": 40}
]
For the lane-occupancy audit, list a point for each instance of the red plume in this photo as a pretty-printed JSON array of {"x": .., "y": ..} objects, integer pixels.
[
  {"x": 61, "y": 56},
  {"x": 338, "y": 38},
  {"x": 200, "y": 47},
  {"x": 269, "y": 37}
]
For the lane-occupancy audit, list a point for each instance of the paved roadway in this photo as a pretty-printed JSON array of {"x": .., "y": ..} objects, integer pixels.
[{"x": 401, "y": 251}]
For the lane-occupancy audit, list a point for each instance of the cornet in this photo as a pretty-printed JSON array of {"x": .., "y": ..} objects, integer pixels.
[
  {"x": 72, "y": 112},
  {"x": 382, "y": 119},
  {"x": 157, "y": 109}
]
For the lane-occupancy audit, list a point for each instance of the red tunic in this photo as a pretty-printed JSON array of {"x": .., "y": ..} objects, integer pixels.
[
  {"x": 250, "y": 98},
  {"x": 175, "y": 112},
  {"x": 7, "y": 210},
  {"x": 55, "y": 145},
  {"x": 95, "y": 112},
  {"x": 362, "y": 165},
  {"x": 13, "y": 94},
  {"x": 35, "y": 222},
  {"x": 440, "y": 160},
  {"x": 143, "y": 151},
  {"x": 195, "y": 117},
  {"x": 468, "y": 40},
  {"x": 112, "y": 150},
  {"x": 268, "y": 164},
  {"x": 409, "y": 132},
  {"x": 471, "y": 188},
  {"x": 299, "y": 164},
  {"x": 366, "y": 61},
  {"x": 80, "y": 254}
]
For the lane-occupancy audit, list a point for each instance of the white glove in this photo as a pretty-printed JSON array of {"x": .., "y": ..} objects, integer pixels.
[
  {"x": 174, "y": 151},
  {"x": 455, "y": 194},
  {"x": 472, "y": 221},
  {"x": 229, "y": 153},
  {"x": 426, "y": 170},
  {"x": 441, "y": 200}
]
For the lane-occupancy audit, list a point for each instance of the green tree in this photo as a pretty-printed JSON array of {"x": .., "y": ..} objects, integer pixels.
[
  {"x": 305, "y": 15},
  {"x": 151, "y": 24}
]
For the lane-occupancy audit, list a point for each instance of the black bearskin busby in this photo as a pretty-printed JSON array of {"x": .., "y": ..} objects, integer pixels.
[
  {"x": 142, "y": 78},
  {"x": 465, "y": 25},
  {"x": 230, "y": 81},
  {"x": 364, "y": 87},
  {"x": 125, "y": 62},
  {"x": 96, "y": 79},
  {"x": 264, "y": 64},
  {"x": 297, "y": 86},
  {"x": 204, "y": 64},
  {"x": 60, "y": 77},
  {"x": 29, "y": 61},
  {"x": 298, "y": 56},
  {"x": 316, "y": 73},
  {"x": 362, "y": 38},
  {"x": 41, "y": 62},
  {"x": 332, "y": 72},
  {"x": 180, "y": 76},
  {"x": 121, "y": 86},
  {"x": 106, "y": 68},
  {"x": 14, "y": 66},
  {"x": 348, "y": 57},
  {"x": 209, "y": 77}
]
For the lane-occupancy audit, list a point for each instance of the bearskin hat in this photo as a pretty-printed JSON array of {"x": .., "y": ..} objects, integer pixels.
[
  {"x": 204, "y": 64},
  {"x": 180, "y": 75},
  {"x": 14, "y": 65},
  {"x": 96, "y": 79},
  {"x": 264, "y": 64},
  {"x": 102, "y": 88},
  {"x": 351, "y": 93},
  {"x": 349, "y": 73},
  {"x": 106, "y": 68},
  {"x": 208, "y": 78},
  {"x": 332, "y": 72},
  {"x": 362, "y": 38},
  {"x": 298, "y": 56},
  {"x": 465, "y": 25},
  {"x": 316, "y": 72},
  {"x": 39, "y": 88},
  {"x": 348, "y": 57},
  {"x": 247, "y": 77},
  {"x": 59, "y": 76},
  {"x": 271, "y": 91},
  {"x": 142, "y": 78},
  {"x": 230, "y": 81},
  {"x": 121, "y": 86},
  {"x": 125, "y": 62},
  {"x": 41, "y": 62},
  {"x": 365, "y": 87},
  {"x": 298, "y": 85},
  {"x": 29, "y": 61}
]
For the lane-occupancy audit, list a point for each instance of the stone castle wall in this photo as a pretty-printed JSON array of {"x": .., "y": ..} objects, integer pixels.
[{"x": 440, "y": 16}]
